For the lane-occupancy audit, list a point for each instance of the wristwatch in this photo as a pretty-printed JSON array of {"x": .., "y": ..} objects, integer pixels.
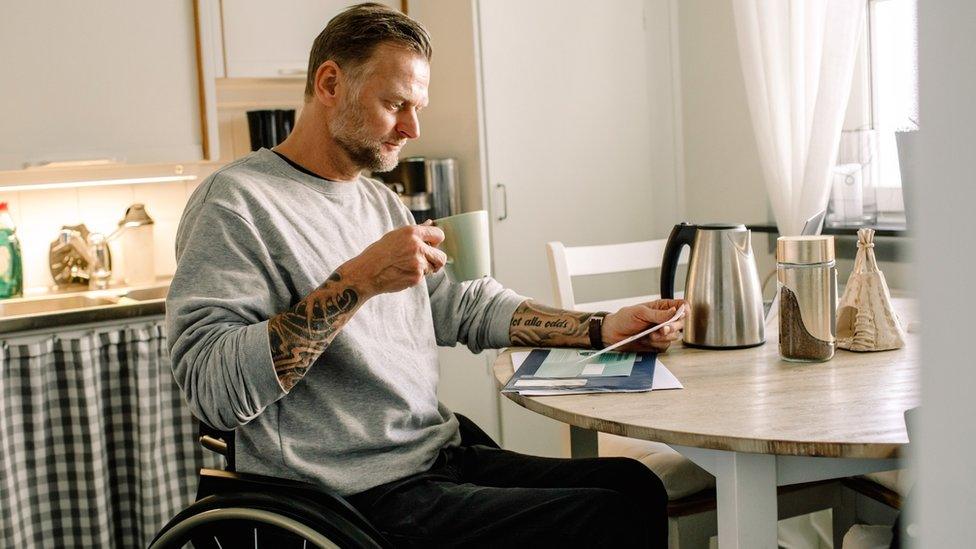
[{"x": 596, "y": 330}]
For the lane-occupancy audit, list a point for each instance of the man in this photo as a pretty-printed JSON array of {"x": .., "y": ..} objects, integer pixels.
[{"x": 307, "y": 306}]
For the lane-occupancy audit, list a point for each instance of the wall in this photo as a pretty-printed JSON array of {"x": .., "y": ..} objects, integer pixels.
[{"x": 723, "y": 180}]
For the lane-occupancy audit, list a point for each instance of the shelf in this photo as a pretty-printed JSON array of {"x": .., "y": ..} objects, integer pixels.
[{"x": 880, "y": 229}]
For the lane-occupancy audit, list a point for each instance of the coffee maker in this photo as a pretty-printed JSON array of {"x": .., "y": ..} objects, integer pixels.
[{"x": 428, "y": 187}]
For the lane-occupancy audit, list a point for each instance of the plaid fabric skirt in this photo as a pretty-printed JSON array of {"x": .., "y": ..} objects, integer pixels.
[{"x": 97, "y": 447}]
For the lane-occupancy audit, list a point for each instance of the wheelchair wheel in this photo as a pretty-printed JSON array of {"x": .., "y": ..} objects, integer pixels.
[{"x": 232, "y": 520}]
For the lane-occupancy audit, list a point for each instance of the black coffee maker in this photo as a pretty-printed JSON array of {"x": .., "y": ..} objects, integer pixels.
[
  {"x": 269, "y": 127},
  {"x": 428, "y": 187}
]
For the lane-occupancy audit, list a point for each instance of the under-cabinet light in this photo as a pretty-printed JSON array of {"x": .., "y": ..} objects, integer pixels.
[{"x": 96, "y": 183}]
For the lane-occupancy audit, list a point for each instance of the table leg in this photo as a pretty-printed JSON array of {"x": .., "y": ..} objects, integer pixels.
[
  {"x": 746, "y": 493},
  {"x": 582, "y": 442}
]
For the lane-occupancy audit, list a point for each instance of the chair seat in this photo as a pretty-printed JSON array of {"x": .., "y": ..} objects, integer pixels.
[
  {"x": 862, "y": 536},
  {"x": 680, "y": 476}
]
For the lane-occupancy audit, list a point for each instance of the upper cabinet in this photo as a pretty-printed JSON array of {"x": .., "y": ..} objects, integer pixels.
[
  {"x": 107, "y": 81},
  {"x": 272, "y": 39}
]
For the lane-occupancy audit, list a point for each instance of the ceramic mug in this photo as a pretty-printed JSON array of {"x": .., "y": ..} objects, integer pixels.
[{"x": 466, "y": 244}]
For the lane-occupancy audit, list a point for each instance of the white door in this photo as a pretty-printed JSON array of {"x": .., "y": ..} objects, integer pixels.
[{"x": 568, "y": 135}]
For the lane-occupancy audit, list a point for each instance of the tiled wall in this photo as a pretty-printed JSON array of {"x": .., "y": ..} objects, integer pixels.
[{"x": 40, "y": 214}]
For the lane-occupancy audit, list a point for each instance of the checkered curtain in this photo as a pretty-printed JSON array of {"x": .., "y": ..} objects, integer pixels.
[{"x": 97, "y": 447}]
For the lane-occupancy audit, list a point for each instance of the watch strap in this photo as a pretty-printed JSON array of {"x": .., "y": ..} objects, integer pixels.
[{"x": 596, "y": 330}]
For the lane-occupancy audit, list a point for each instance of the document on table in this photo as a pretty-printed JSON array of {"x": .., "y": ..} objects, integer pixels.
[
  {"x": 566, "y": 363},
  {"x": 663, "y": 379}
]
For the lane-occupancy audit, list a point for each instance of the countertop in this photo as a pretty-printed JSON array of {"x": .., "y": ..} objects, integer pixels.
[{"x": 77, "y": 306}]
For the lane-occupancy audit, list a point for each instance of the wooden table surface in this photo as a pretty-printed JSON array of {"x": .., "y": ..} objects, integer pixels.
[{"x": 750, "y": 400}]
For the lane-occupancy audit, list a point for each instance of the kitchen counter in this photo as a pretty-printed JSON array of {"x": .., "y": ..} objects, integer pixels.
[{"x": 68, "y": 308}]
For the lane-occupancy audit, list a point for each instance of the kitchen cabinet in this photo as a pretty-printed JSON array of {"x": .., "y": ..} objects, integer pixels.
[
  {"x": 105, "y": 82},
  {"x": 571, "y": 122},
  {"x": 272, "y": 39}
]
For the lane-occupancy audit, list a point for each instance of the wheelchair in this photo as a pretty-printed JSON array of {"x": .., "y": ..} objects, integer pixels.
[{"x": 235, "y": 509}]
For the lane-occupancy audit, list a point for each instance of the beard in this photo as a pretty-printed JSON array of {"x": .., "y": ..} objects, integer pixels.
[{"x": 348, "y": 129}]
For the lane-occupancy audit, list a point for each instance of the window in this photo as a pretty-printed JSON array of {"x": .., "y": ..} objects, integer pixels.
[
  {"x": 893, "y": 30},
  {"x": 882, "y": 116}
]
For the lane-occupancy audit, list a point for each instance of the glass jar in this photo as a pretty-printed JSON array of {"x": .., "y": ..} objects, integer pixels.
[
  {"x": 807, "y": 278},
  {"x": 855, "y": 180}
]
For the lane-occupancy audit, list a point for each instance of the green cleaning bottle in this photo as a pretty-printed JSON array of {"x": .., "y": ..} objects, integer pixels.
[{"x": 11, "y": 265}]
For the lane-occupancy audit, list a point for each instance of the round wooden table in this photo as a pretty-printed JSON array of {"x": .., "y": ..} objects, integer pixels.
[{"x": 756, "y": 421}]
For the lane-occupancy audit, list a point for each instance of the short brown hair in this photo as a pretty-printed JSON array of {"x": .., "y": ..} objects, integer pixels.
[{"x": 350, "y": 38}]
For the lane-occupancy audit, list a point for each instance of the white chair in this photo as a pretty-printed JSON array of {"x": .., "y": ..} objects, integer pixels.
[
  {"x": 691, "y": 507},
  {"x": 681, "y": 477}
]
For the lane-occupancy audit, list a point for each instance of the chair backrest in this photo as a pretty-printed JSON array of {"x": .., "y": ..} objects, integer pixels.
[{"x": 567, "y": 262}]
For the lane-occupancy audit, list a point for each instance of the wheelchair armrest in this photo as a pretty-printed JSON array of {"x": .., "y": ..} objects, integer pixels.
[{"x": 214, "y": 445}]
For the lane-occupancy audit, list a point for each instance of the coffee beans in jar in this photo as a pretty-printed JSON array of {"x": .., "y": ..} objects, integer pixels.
[{"x": 807, "y": 278}]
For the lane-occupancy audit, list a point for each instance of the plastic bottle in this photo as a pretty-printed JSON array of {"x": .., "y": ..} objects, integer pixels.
[{"x": 11, "y": 264}]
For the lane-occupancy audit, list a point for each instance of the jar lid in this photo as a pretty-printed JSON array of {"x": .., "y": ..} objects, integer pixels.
[
  {"x": 805, "y": 250},
  {"x": 136, "y": 216}
]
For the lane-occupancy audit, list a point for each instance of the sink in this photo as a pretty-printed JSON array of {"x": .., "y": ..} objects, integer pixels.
[
  {"x": 56, "y": 311},
  {"x": 51, "y": 304},
  {"x": 145, "y": 294}
]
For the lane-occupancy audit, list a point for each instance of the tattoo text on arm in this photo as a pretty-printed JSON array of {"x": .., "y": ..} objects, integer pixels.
[
  {"x": 300, "y": 335},
  {"x": 537, "y": 325}
]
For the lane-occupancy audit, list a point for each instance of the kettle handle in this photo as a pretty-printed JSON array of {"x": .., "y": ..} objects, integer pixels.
[{"x": 682, "y": 234}]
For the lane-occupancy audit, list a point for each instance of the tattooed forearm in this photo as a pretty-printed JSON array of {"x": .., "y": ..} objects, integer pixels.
[
  {"x": 300, "y": 335},
  {"x": 535, "y": 325}
]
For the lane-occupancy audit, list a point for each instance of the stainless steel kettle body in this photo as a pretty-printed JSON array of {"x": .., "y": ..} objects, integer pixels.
[{"x": 722, "y": 287}]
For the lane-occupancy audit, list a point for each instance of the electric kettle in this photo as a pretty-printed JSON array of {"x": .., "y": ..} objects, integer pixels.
[{"x": 722, "y": 287}]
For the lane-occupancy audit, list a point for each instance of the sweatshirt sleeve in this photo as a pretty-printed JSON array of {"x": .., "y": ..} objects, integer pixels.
[
  {"x": 477, "y": 313},
  {"x": 217, "y": 313}
]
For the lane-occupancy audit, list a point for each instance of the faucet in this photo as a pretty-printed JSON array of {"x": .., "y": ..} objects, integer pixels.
[{"x": 77, "y": 256}]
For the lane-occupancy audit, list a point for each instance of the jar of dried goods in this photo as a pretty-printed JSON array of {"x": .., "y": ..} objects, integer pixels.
[{"x": 807, "y": 275}]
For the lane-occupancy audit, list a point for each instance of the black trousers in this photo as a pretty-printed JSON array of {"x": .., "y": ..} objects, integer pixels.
[{"x": 478, "y": 495}]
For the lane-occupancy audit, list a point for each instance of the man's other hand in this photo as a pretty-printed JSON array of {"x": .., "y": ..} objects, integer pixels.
[
  {"x": 398, "y": 260},
  {"x": 637, "y": 318}
]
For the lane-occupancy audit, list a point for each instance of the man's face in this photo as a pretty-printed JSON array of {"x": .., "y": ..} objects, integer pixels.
[{"x": 374, "y": 119}]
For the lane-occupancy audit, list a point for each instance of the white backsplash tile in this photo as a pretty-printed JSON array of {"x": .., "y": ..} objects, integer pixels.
[
  {"x": 164, "y": 246},
  {"x": 101, "y": 208},
  {"x": 164, "y": 201},
  {"x": 53, "y": 206},
  {"x": 37, "y": 273},
  {"x": 39, "y": 215},
  {"x": 12, "y": 198},
  {"x": 42, "y": 214}
]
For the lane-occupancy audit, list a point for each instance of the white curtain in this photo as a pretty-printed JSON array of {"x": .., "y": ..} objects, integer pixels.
[{"x": 798, "y": 62}]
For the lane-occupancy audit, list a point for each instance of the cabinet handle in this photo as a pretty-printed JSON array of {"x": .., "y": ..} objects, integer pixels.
[
  {"x": 292, "y": 72},
  {"x": 504, "y": 191}
]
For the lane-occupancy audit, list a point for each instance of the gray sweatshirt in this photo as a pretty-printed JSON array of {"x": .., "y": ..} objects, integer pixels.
[{"x": 256, "y": 237}]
